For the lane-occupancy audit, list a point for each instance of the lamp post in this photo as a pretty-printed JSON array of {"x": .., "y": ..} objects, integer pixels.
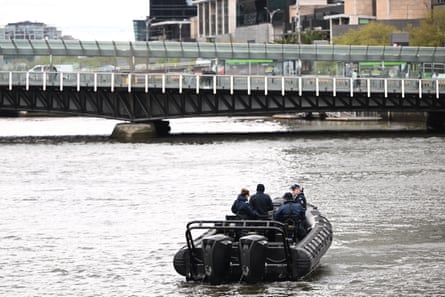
[
  {"x": 298, "y": 32},
  {"x": 148, "y": 21},
  {"x": 271, "y": 14},
  {"x": 297, "y": 21}
]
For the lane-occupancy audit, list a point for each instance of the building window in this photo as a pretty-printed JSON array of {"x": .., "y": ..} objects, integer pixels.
[
  {"x": 226, "y": 16},
  {"x": 219, "y": 12},
  {"x": 201, "y": 19}
]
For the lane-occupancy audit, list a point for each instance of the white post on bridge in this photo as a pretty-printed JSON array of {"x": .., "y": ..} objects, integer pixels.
[
  {"x": 334, "y": 87},
  {"x": 214, "y": 84},
  {"x": 78, "y": 81},
  {"x": 351, "y": 85},
  {"x": 163, "y": 83},
  {"x": 10, "y": 80},
  {"x": 129, "y": 82},
  {"x": 300, "y": 86},
  {"x": 27, "y": 81},
  {"x": 317, "y": 86},
  {"x": 385, "y": 82},
  {"x": 44, "y": 81},
  {"x": 61, "y": 81},
  {"x": 265, "y": 85},
  {"x": 248, "y": 85},
  {"x": 282, "y": 86},
  {"x": 403, "y": 88},
  {"x": 420, "y": 88},
  {"x": 112, "y": 82},
  {"x": 95, "y": 82},
  {"x": 369, "y": 87}
]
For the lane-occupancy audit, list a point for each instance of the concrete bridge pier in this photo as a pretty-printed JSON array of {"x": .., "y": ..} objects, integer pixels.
[
  {"x": 435, "y": 121},
  {"x": 141, "y": 131}
]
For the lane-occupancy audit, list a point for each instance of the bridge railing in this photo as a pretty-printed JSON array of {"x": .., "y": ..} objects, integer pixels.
[{"x": 232, "y": 83}]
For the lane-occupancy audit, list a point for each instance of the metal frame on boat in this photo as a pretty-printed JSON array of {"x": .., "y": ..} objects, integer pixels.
[{"x": 252, "y": 250}]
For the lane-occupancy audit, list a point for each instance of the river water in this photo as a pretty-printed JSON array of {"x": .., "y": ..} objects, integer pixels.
[{"x": 93, "y": 217}]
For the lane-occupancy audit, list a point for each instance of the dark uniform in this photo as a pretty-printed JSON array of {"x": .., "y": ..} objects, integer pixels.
[
  {"x": 292, "y": 212},
  {"x": 261, "y": 202},
  {"x": 241, "y": 208}
]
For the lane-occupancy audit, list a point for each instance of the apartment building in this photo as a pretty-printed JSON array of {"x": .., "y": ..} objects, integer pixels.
[{"x": 31, "y": 30}]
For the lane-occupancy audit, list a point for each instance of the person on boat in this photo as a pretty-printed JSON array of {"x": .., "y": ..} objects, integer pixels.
[
  {"x": 261, "y": 202},
  {"x": 241, "y": 206},
  {"x": 298, "y": 195},
  {"x": 292, "y": 213}
]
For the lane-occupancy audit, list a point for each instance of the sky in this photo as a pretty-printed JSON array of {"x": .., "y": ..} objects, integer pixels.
[{"x": 83, "y": 19}]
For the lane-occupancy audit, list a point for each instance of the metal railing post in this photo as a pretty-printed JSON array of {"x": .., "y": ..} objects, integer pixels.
[
  {"x": 95, "y": 81},
  {"x": 282, "y": 86},
  {"x": 61, "y": 81},
  {"x": 334, "y": 87},
  {"x": 10, "y": 80},
  {"x": 112, "y": 82},
  {"x": 265, "y": 85},
  {"x": 78, "y": 81}
]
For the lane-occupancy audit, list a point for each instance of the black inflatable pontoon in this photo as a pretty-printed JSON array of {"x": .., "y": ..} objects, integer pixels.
[{"x": 252, "y": 250}]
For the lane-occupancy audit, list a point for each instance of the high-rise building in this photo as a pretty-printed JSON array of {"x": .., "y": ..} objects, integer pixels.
[{"x": 167, "y": 20}]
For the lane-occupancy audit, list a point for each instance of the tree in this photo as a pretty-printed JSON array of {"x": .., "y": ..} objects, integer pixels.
[
  {"x": 307, "y": 37},
  {"x": 431, "y": 31},
  {"x": 373, "y": 33}
]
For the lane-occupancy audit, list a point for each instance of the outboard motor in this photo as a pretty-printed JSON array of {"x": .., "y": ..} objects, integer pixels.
[
  {"x": 253, "y": 257},
  {"x": 216, "y": 254}
]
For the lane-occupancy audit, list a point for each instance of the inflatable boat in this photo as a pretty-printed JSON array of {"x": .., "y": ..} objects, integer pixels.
[{"x": 234, "y": 250}]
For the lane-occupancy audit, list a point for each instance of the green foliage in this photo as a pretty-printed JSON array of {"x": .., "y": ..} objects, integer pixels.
[
  {"x": 431, "y": 31},
  {"x": 324, "y": 68},
  {"x": 308, "y": 36},
  {"x": 373, "y": 33}
]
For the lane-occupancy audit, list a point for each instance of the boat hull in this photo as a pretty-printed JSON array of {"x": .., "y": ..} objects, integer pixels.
[{"x": 252, "y": 251}]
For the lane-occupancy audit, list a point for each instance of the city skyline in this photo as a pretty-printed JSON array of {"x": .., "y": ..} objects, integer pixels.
[{"x": 84, "y": 20}]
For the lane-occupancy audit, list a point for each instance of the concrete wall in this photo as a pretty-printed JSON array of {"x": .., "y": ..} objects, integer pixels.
[
  {"x": 359, "y": 7},
  {"x": 402, "y": 9},
  {"x": 257, "y": 34}
]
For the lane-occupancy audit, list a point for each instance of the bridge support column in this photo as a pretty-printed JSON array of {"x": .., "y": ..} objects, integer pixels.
[
  {"x": 134, "y": 132},
  {"x": 435, "y": 121}
]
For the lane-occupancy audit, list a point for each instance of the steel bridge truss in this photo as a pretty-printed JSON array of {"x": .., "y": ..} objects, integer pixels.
[{"x": 140, "y": 105}]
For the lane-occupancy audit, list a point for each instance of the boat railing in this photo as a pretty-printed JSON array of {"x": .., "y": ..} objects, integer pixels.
[{"x": 232, "y": 226}]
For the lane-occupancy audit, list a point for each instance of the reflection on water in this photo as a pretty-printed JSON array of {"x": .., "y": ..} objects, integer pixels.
[{"x": 101, "y": 218}]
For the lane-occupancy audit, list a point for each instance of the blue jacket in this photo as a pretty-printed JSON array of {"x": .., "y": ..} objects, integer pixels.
[
  {"x": 241, "y": 208},
  {"x": 289, "y": 208},
  {"x": 261, "y": 203},
  {"x": 301, "y": 199}
]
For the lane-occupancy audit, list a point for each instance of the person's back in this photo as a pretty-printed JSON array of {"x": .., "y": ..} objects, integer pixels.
[
  {"x": 241, "y": 207},
  {"x": 261, "y": 202},
  {"x": 292, "y": 210}
]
